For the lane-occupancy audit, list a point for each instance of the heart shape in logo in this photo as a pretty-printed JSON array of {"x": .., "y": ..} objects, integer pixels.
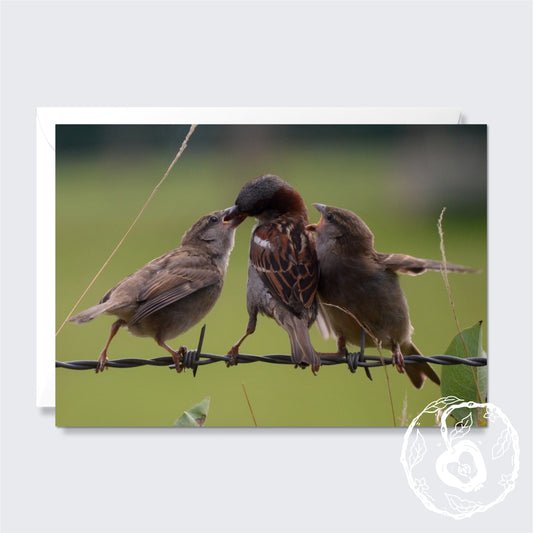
[{"x": 462, "y": 466}]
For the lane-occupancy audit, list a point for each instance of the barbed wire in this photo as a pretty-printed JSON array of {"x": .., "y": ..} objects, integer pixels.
[{"x": 194, "y": 358}]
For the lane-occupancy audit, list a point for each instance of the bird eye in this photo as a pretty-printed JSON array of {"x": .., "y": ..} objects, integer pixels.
[
  {"x": 213, "y": 219},
  {"x": 329, "y": 216}
]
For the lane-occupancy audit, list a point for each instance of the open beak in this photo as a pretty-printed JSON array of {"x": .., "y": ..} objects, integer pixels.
[
  {"x": 232, "y": 216},
  {"x": 321, "y": 209}
]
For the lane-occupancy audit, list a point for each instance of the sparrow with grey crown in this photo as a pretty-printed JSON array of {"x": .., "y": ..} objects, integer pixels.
[
  {"x": 172, "y": 293},
  {"x": 359, "y": 289}
]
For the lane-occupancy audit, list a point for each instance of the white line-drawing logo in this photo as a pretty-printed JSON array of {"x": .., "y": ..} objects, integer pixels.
[{"x": 462, "y": 470}]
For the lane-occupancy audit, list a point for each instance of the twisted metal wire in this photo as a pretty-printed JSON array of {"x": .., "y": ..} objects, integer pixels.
[{"x": 195, "y": 358}]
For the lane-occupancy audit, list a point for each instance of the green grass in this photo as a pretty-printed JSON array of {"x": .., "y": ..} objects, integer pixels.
[{"x": 98, "y": 197}]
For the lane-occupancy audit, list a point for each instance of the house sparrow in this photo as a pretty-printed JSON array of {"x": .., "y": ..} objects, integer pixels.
[
  {"x": 170, "y": 294},
  {"x": 283, "y": 268},
  {"x": 359, "y": 289}
]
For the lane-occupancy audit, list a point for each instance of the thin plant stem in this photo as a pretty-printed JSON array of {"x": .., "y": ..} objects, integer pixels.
[
  {"x": 444, "y": 271},
  {"x": 249, "y": 404},
  {"x": 143, "y": 208},
  {"x": 378, "y": 345}
]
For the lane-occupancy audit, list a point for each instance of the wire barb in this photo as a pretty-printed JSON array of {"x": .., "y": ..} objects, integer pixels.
[{"x": 191, "y": 358}]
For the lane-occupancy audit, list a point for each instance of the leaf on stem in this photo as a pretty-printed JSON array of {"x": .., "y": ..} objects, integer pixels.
[
  {"x": 468, "y": 383},
  {"x": 195, "y": 416}
]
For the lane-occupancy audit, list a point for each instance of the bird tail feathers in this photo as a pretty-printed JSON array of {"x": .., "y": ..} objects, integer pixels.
[
  {"x": 89, "y": 314},
  {"x": 323, "y": 323},
  {"x": 302, "y": 351},
  {"x": 418, "y": 372}
]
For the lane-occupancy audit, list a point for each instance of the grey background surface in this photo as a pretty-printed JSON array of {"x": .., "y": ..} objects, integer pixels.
[{"x": 472, "y": 55}]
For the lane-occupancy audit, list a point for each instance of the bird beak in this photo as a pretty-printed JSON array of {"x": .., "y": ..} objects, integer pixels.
[
  {"x": 232, "y": 216},
  {"x": 321, "y": 209}
]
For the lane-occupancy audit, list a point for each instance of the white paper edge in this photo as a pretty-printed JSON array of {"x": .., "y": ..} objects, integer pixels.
[
  {"x": 45, "y": 238},
  {"x": 48, "y": 117}
]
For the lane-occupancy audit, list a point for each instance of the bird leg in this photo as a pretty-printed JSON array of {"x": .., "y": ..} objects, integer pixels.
[
  {"x": 102, "y": 359},
  {"x": 397, "y": 358},
  {"x": 176, "y": 354},
  {"x": 341, "y": 346},
  {"x": 234, "y": 351}
]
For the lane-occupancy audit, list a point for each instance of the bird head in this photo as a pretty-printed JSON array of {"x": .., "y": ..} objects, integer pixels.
[
  {"x": 338, "y": 224},
  {"x": 213, "y": 232},
  {"x": 266, "y": 198}
]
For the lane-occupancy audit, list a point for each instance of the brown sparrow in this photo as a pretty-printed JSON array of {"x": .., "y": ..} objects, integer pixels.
[
  {"x": 283, "y": 269},
  {"x": 359, "y": 289},
  {"x": 170, "y": 294}
]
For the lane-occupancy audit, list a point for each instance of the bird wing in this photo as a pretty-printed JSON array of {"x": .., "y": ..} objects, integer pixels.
[
  {"x": 406, "y": 264},
  {"x": 285, "y": 258},
  {"x": 172, "y": 277}
]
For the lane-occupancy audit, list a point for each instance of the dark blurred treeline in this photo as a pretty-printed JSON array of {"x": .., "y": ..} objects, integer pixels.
[
  {"x": 88, "y": 138},
  {"x": 438, "y": 161}
]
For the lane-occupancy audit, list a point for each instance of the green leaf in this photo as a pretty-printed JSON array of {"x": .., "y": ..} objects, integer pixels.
[
  {"x": 195, "y": 416},
  {"x": 469, "y": 383}
]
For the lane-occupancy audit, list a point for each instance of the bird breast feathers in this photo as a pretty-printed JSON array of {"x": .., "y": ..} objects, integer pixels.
[{"x": 286, "y": 262}]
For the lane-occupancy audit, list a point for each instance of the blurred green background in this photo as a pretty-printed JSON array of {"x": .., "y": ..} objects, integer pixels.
[{"x": 397, "y": 178}]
